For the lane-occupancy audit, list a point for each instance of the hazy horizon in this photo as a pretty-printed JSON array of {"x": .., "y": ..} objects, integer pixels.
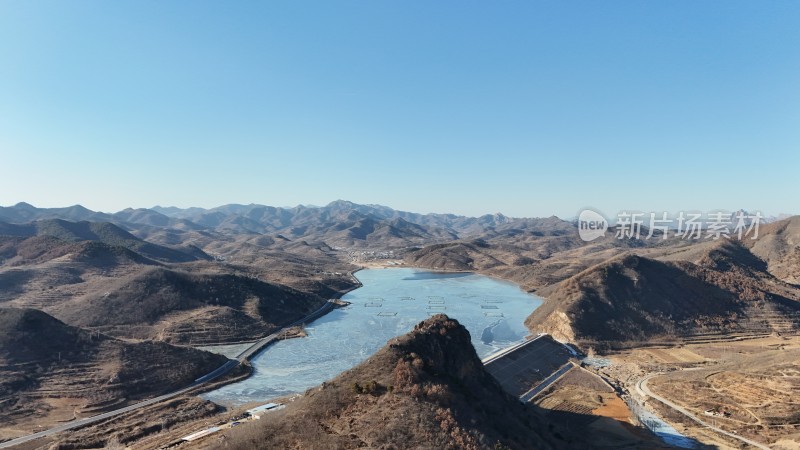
[
  {"x": 530, "y": 110},
  {"x": 607, "y": 214}
]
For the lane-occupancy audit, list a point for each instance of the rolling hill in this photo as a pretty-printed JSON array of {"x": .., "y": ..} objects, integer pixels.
[
  {"x": 178, "y": 306},
  {"x": 104, "y": 232},
  {"x": 50, "y": 371},
  {"x": 99, "y": 275},
  {"x": 634, "y": 300},
  {"x": 779, "y": 246}
]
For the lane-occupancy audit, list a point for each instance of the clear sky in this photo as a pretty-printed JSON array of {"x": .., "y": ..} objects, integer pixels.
[{"x": 528, "y": 108}]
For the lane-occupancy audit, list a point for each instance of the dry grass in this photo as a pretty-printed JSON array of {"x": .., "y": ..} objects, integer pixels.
[
  {"x": 51, "y": 372},
  {"x": 427, "y": 390},
  {"x": 755, "y": 382},
  {"x": 588, "y": 405}
]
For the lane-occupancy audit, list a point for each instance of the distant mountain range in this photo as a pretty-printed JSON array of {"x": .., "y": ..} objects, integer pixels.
[{"x": 340, "y": 223}]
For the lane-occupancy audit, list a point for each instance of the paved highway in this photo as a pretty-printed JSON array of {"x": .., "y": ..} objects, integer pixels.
[
  {"x": 259, "y": 345},
  {"x": 641, "y": 386},
  {"x": 222, "y": 370}
]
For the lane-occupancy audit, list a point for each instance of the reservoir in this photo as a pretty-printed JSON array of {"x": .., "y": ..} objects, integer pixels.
[{"x": 390, "y": 303}]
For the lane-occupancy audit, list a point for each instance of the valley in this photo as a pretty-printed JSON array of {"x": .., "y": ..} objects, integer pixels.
[{"x": 719, "y": 319}]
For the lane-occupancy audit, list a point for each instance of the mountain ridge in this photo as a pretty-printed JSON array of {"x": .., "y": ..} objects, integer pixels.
[
  {"x": 632, "y": 299},
  {"x": 424, "y": 389},
  {"x": 370, "y": 225}
]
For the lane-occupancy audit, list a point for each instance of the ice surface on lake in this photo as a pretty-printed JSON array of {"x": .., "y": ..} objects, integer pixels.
[{"x": 389, "y": 304}]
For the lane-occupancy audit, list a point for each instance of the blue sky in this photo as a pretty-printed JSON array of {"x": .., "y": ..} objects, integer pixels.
[{"x": 525, "y": 108}]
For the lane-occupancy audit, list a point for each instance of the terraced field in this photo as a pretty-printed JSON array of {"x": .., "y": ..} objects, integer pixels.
[
  {"x": 51, "y": 372},
  {"x": 674, "y": 355},
  {"x": 749, "y": 387}
]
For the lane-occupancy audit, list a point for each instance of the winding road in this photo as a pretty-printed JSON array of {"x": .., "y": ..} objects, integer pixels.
[
  {"x": 222, "y": 370},
  {"x": 641, "y": 387}
]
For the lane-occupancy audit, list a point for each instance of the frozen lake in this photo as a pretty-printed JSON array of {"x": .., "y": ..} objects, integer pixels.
[{"x": 389, "y": 304}]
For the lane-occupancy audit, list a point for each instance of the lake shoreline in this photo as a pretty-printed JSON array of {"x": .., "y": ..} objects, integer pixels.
[{"x": 484, "y": 299}]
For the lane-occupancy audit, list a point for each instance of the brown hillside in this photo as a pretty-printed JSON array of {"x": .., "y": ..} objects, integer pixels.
[
  {"x": 779, "y": 245},
  {"x": 204, "y": 304},
  {"x": 534, "y": 259},
  {"x": 52, "y": 371},
  {"x": 635, "y": 300},
  {"x": 427, "y": 389}
]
